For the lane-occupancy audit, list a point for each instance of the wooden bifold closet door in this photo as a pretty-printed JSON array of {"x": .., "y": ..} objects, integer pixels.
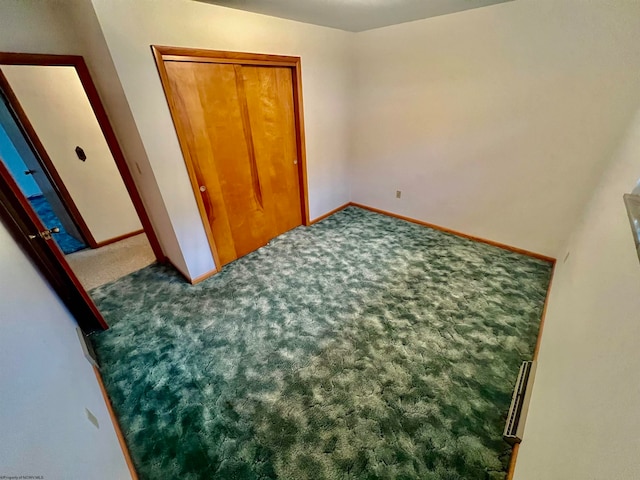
[{"x": 237, "y": 122}]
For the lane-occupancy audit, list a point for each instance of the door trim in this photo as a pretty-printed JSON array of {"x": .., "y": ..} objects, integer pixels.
[
  {"x": 45, "y": 161},
  {"x": 20, "y": 219},
  {"x": 76, "y": 61},
  {"x": 180, "y": 54}
]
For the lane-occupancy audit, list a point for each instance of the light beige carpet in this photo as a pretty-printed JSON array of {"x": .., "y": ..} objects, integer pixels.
[{"x": 96, "y": 267}]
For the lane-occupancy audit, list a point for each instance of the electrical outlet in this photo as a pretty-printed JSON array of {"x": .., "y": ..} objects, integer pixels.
[
  {"x": 398, "y": 194},
  {"x": 92, "y": 418}
]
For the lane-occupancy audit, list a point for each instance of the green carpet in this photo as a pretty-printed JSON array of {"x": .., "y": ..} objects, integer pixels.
[{"x": 363, "y": 347}]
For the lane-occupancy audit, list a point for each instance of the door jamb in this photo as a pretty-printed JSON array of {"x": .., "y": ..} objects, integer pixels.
[
  {"x": 45, "y": 161},
  {"x": 21, "y": 220},
  {"x": 82, "y": 70},
  {"x": 165, "y": 53}
]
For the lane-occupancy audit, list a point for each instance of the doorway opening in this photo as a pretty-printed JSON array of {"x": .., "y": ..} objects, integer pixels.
[
  {"x": 81, "y": 212},
  {"x": 27, "y": 170}
]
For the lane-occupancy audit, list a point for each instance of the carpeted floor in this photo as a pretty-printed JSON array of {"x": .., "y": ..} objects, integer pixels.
[
  {"x": 362, "y": 347},
  {"x": 97, "y": 266},
  {"x": 66, "y": 242}
]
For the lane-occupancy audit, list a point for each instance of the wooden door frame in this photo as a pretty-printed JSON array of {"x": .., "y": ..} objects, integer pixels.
[
  {"x": 76, "y": 61},
  {"x": 182, "y": 54},
  {"x": 45, "y": 161},
  {"x": 21, "y": 221}
]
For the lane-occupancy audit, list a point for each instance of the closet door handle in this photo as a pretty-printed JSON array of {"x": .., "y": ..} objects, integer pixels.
[{"x": 203, "y": 188}]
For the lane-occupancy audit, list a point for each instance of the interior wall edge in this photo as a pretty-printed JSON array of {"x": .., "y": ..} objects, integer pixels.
[
  {"x": 504, "y": 246},
  {"x": 116, "y": 425},
  {"x": 476, "y": 117},
  {"x": 99, "y": 61},
  {"x": 129, "y": 33},
  {"x": 589, "y": 413}
]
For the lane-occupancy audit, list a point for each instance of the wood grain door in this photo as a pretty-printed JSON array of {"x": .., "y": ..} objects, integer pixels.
[{"x": 237, "y": 123}]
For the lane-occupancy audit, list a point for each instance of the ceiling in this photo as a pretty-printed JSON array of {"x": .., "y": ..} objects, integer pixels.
[{"x": 354, "y": 15}]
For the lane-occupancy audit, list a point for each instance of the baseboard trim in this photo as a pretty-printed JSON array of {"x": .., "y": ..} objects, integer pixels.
[
  {"x": 109, "y": 241},
  {"x": 203, "y": 277},
  {"x": 536, "y": 351},
  {"x": 328, "y": 214},
  {"x": 116, "y": 426},
  {"x": 522, "y": 251},
  {"x": 192, "y": 281},
  {"x": 512, "y": 461}
]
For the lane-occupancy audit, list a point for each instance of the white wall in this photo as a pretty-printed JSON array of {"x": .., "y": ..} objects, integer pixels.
[
  {"x": 46, "y": 384},
  {"x": 58, "y": 108},
  {"x": 584, "y": 422},
  {"x": 70, "y": 27},
  {"x": 34, "y": 26},
  {"x": 495, "y": 121},
  {"x": 81, "y": 14},
  {"x": 131, "y": 27},
  {"x": 504, "y": 120},
  {"x": 16, "y": 166}
]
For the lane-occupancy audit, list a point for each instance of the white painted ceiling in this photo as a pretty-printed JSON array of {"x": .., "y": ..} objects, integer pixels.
[{"x": 354, "y": 15}]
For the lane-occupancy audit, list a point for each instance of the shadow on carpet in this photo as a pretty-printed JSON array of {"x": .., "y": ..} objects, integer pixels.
[{"x": 361, "y": 347}]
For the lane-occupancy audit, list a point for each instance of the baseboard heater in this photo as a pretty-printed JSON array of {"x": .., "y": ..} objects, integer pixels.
[{"x": 517, "y": 417}]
